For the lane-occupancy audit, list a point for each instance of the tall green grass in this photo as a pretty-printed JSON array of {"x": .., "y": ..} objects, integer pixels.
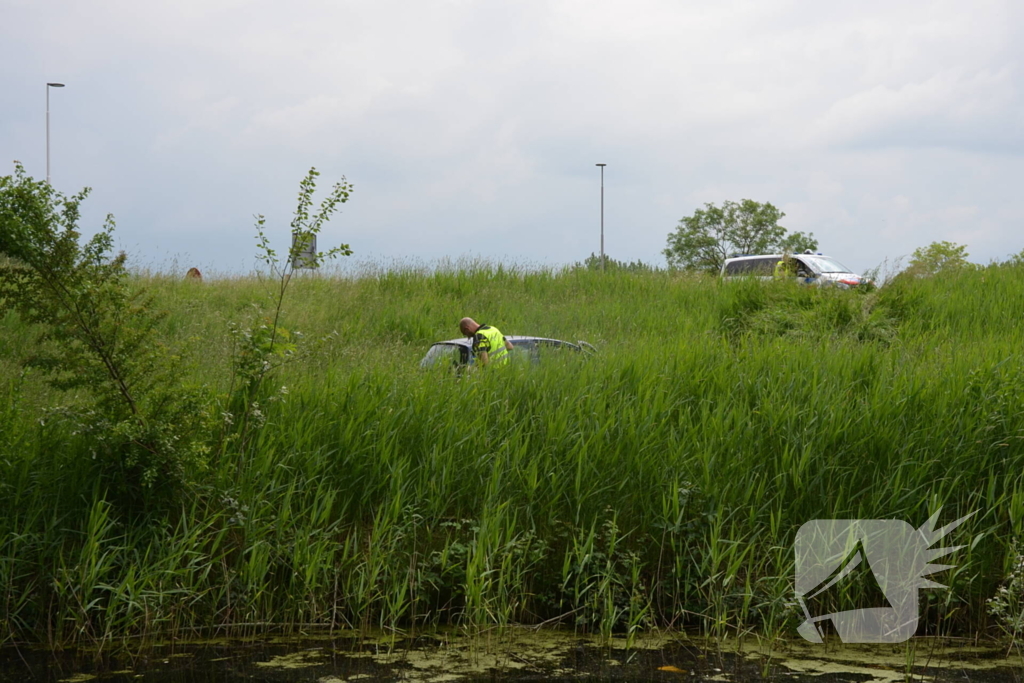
[{"x": 660, "y": 483}]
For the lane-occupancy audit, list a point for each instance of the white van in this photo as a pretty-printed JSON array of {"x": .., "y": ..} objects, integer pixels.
[{"x": 812, "y": 268}]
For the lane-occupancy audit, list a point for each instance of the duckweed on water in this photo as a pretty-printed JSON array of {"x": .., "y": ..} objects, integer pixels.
[
  {"x": 295, "y": 660},
  {"x": 519, "y": 655}
]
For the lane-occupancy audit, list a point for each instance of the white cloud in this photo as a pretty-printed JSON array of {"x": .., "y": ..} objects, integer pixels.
[
  {"x": 482, "y": 120},
  {"x": 949, "y": 109}
]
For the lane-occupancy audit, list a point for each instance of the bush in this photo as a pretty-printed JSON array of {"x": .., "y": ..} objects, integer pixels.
[{"x": 97, "y": 335}]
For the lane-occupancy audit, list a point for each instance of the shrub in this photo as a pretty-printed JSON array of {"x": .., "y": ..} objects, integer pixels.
[{"x": 97, "y": 336}]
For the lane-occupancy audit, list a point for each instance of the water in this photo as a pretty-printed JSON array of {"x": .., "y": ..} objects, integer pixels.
[{"x": 517, "y": 655}]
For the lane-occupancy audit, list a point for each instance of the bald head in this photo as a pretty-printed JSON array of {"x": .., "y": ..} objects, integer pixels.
[{"x": 468, "y": 327}]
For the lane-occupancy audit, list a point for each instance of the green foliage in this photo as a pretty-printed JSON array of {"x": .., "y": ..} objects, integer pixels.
[
  {"x": 1015, "y": 259},
  {"x": 814, "y": 314},
  {"x": 659, "y": 483},
  {"x": 306, "y": 227},
  {"x": 1007, "y": 605},
  {"x": 593, "y": 262},
  {"x": 603, "y": 577},
  {"x": 704, "y": 240},
  {"x": 938, "y": 258},
  {"x": 265, "y": 345},
  {"x": 97, "y": 335}
]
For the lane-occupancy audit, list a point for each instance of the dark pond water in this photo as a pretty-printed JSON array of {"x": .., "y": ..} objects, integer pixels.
[{"x": 518, "y": 656}]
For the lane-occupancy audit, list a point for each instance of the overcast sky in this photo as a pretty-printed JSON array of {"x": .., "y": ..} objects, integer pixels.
[{"x": 472, "y": 127}]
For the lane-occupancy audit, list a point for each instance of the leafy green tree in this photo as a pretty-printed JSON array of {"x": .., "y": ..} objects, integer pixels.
[
  {"x": 97, "y": 337},
  {"x": 704, "y": 240},
  {"x": 938, "y": 257}
]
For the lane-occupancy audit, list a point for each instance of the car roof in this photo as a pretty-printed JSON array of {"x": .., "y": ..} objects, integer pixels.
[
  {"x": 466, "y": 341},
  {"x": 742, "y": 257}
]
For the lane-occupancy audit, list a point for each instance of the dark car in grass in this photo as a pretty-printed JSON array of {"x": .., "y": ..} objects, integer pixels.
[{"x": 457, "y": 353}]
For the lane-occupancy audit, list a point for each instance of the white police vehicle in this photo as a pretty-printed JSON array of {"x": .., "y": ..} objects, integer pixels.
[{"x": 811, "y": 268}]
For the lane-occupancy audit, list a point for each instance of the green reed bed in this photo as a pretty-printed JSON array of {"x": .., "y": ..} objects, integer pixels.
[{"x": 660, "y": 483}]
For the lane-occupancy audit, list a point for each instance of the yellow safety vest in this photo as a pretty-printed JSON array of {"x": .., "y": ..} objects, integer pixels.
[{"x": 493, "y": 342}]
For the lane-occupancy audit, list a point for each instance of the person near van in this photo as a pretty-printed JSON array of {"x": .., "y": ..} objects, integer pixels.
[
  {"x": 785, "y": 268},
  {"x": 489, "y": 345}
]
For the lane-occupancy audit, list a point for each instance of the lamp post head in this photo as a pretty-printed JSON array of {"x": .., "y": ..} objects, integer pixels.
[
  {"x": 55, "y": 85},
  {"x": 600, "y": 164}
]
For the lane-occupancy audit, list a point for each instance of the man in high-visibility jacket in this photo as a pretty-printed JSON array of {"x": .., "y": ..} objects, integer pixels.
[
  {"x": 785, "y": 268},
  {"x": 489, "y": 345}
]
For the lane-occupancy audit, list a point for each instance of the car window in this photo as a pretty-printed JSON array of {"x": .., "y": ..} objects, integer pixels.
[
  {"x": 751, "y": 266},
  {"x": 731, "y": 268},
  {"x": 555, "y": 349},
  {"x": 540, "y": 350},
  {"x": 523, "y": 353},
  {"x": 524, "y": 350},
  {"x": 803, "y": 268},
  {"x": 824, "y": 264},
  {"x": 443, "y": 354}
]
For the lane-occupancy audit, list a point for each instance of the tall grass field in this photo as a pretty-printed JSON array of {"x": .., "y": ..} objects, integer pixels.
[{"x": 657, "y": 484}]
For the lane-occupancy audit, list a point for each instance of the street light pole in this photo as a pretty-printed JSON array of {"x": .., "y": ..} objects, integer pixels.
[
  {"x": 48, "y": 86},
  {"x": 602, "y": 214}
]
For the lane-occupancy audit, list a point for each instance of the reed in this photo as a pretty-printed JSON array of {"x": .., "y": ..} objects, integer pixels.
[{"x": 660, "y": 483}]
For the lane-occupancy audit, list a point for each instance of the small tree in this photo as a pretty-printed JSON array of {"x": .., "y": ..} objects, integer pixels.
[
  {"x": 938, "y": 257},
  {"x": 97, "y": 335},
  {"x": 704, "y": 240},
  {"x": 265, "y": 345}
]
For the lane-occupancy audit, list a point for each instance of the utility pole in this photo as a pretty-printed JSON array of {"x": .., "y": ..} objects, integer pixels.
[
  {"x": 48, "y": 86},
  {"x": 602, "y": 215}
]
